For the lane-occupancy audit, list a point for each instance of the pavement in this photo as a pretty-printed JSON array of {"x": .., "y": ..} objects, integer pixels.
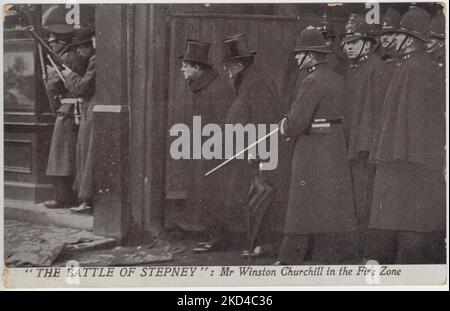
[{"x": 23, "y": 239}]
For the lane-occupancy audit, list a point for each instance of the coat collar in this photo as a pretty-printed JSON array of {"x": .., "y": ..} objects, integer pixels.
[
  {"x": 361, "y": 60},
  {"x": 245, "y": 77},
  {"x": 314, "y": 67},
  {"x": 206, "y": 78}
]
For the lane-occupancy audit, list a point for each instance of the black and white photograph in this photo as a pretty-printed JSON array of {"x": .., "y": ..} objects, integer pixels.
[{"x": 273, "y": 143}]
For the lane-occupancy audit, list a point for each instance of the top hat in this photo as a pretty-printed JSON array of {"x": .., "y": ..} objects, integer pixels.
[
  {"x": 391, "y": 21},
  {"x": 236, "y": 47},
  {"x": 311, "y": 39},
  {"x": 196, "y": 51},
  {"x": 357, "y": 28},
  {"x": 61, "y": 32},
  {"x": 437, "y": 27},
  {"x": 415, "y": 23},
  {"x": 83, "y": 35}
]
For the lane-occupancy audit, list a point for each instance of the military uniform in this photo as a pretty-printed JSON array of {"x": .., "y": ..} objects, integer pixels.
[
  {"x": 212, "y": 97},
  {"x": 320, "y": 197},
  {"x": 61, "y": 160},
  {"x": 84, "y": 86},
  {"x": 409, "y": 193}
]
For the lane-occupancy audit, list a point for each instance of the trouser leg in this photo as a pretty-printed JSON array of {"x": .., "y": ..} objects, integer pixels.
[
  {"x": 420, "y": 248},
  {"x": 295, "y": 249},
  {"x": 381, "y": 245},
  {"x": 63, "y": 189}
]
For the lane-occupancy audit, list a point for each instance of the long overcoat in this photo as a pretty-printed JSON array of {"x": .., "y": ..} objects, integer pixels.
[
  {"x": 212, "y": 97},
  {"x": 320, "y": 196},
  {"x": 84, "y": 86},
  {"x": 409, "y": 189},
  {"x": 61, "y": 159},
  {"x": 257, "y": 102}
]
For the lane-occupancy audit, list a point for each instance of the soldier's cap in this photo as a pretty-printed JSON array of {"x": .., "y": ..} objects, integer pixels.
[
  {"x": 196, "y": 51},
  {"x": 390, "y": 21},
  {"x": 357, "y": 28},
  {"x": 236, "y": 47},
  {"x": 437, "y": 27},
  {"x": 83, "y": 35},
  {"x": 60, "y": 32},
  {"x": 311, "y": 39},
  {"x": 415, "y": 23}
]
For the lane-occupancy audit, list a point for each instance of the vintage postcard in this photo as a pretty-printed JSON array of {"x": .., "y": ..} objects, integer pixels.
[{"x": 239, "y": 144}]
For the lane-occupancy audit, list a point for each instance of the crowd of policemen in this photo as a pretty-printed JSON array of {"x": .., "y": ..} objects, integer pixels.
[
  {"x": 364, "y": 147},
  {"x": 70, "y": 92}
]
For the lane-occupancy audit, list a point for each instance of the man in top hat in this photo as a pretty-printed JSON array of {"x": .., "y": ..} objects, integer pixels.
[
  {"x": 61, "y": 161},
  {"x": 320, "y": 205},
  {"x": 409, "y": 194},
  {"x": 366, "y": 84},
  {"x": 257, "y": 102},
  {"x": 84, "y": 86},
  {"x": 212, "y": 97}
]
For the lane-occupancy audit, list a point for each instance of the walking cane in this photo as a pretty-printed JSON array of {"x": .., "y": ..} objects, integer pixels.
[{"x": 241, "y": 152}]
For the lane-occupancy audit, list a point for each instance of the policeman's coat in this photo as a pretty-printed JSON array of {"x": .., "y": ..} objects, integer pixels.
[
  {"x": 212, "y": 97},
  {"x": 257, "y": 102},
  {"x": 320, "y": 196},
  {"x": 366, "y": 86},
  {"x": 61, "y": 160},
  {"x": 410, "y": 155},
  {"x": 84, "y": 86}
]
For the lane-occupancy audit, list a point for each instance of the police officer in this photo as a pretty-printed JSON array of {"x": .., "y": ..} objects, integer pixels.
[
  {"x": 84, "y": 86},
  {"x": 409, "y": 194},
  {"x": 61, "y": 161},
  {"x": 366, "y": 84},
  {"x": 436, "y": 46},
  {"x": 320, "y": 198},
  {"x": 212, "y": 97},
  {"x": 387, "y": 51}
]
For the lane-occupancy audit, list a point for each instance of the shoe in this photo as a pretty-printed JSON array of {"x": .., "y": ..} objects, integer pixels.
[
  {"x": 210, "y": 246},
  {"x": 55, "y": 204},
  {"x": 258, "y": 251},
  {"x": 82, "y": 209}
]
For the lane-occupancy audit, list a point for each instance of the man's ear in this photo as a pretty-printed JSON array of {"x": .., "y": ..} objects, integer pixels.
[
  {"x": 409, "y": 41},
  {"x": 196, "y": 67}
]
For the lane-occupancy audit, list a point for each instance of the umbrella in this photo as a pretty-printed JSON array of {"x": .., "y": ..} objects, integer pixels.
[{"x": 260, "y": 197}]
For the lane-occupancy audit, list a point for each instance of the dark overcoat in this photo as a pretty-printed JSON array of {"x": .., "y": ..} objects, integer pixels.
[
  {"x": 61, "y": 159},
  {"x": 212, "y": 97},
  {"x": 366, "y": 86},
  {"x": 320, "y": 196},
  {"x": 409, "y": 189},
  {"x": 257, "y": 102},
  {"x": 84, "y": 86}
]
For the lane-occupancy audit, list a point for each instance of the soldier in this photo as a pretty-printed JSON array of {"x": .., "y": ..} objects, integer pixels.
[
  {"x": 212, "y": 97},
  {"x": 257, "y": 102},
  {"x": 408, "y": 210},
  {"x": 61, "y": 161},
  {"x": 84, "y": 86},
  {"x": 366, "y": 84},
  {"x": 320, "y": 197}
]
